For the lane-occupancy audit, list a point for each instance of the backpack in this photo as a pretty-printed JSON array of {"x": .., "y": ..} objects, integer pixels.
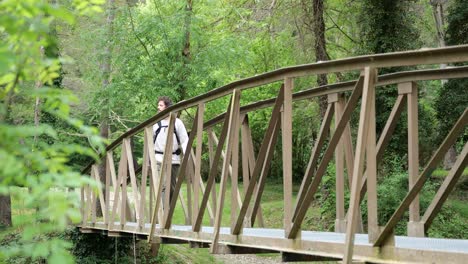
[{"x": 155, "y": 136}]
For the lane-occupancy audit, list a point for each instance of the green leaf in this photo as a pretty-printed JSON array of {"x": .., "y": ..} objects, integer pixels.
[
  {"x": 61, "y": 13},
  {"x": 40, "y": 250}
]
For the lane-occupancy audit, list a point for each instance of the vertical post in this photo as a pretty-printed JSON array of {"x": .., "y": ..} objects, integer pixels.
[
  {"x": 371, "y": 169},
  {"x": 107, "y": 189},
  {"x": 198, "y": 151},
  {"x": 144, "y": 178},
  {"x": 415, "y": 227},
  {"x": 367, "y": 97},
  {"x": 166, "y": 166},
  {"x": 189, "y": 179},
  {"x": 245, "y": 163},
  {"x": 123, "y": 182},
  {"x": 93, "y": 199},
  {"x": 151, "y": 196},
  {"x": 82, "y": 204},
  {"x": 340, "y": 223},
  {"x": 235, "y": 170},
  {"x": 286, "y": 122},
  {"x": 211, "y": 150}
]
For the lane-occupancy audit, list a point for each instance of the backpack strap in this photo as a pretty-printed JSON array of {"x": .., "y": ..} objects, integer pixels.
[{"x": 155, "y": 136}]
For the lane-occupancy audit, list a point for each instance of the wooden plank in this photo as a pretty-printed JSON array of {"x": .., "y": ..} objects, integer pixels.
[
  {"x": 82, "y": 204},
  {"x": 260, "y": 160},
  {"x": 116, "y": 184},
  {"x": 250, "y": 159},
  {"x": 302, "y": 210},
  {"x": 406, "y": 58},
  {"x": 286, "y": 129},
  {"x": 123, "y": 169},
  {"x": 93, "y": 199},
  {"x": 234, "y": 170},
  {"x": 151, "y": 194},
  {"x": 264, "y": 172},
  {"x": 189, "y": 181},
  {"x": 198, "y": 155},
  {"x": 166, "y": 166},
  {"x": 245, "y": 161},
  {"x": 447, "y": 186},
  {"x": 182, "y": 170},
  {"x": 211, "y": 150},
  {"x": 368, "y": 97},
  {"x": 340, "y": 223},
  {"x": 413, "y": 149},
  {"x": 155, "y": 179},
  {"x": 233, "y": 119},
  {"x": 144, "y": 179},
  {"x": 423, "y": 176},
  {"x": 107, "y": 191},
  {"x": 383, "y": 80},
  {"x": 371, "y": 170},
  {"x": 87, "y": 194},
  {"x": 99, "y": 191},
  {"x": 133, "y": 180}
]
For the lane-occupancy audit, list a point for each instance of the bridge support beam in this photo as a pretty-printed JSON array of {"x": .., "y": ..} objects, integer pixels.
[
  {"x": 363, "y": 146},
  {"x": 410, "y": 89},
  {"x": 229, "y": 249},
  {"x": 294, "y": 257}
]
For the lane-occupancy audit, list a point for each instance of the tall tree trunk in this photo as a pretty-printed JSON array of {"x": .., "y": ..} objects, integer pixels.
[
  {"x": 186, "y": 52},
  {"x": 5, "y": 200},
  {"x": 5, "y": 211},
  {"x": 106, "y": 72},
  {"x": 438, "y": 12},
  {"x": 37, "y": 104},
  {"x": 320, "y": 48}
]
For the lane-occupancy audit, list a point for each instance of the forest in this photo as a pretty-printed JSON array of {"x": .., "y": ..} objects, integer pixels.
[{"x": 77, "y": 74}]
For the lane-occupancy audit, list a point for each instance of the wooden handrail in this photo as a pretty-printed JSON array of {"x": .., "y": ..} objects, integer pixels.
[{"x": 405, "y": 58}]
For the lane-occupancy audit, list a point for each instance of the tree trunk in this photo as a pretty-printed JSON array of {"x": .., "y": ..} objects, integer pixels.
[
  {"x": 5, "y": 211},
  {"x": 186, "y": 52},
  {"x": 37, "y": 105},
  {"x": 5, "y": 200},
  {"x": 106, "y": 71},
  {"x": 320, "y": 48},
  {"x": 438, "y": 12}
]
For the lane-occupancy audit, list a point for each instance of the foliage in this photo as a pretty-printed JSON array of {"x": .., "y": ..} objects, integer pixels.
[
  {"x": 452, "y": 97},
  {"x": 27, "y": 159},
  {"x": 450, "y": 103},
  {"x": 97, "y": 248},
  {"x": 387, "y": 25}
]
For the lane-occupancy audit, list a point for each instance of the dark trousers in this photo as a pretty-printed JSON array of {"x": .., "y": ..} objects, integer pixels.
[{"x": 174, "y": 172}]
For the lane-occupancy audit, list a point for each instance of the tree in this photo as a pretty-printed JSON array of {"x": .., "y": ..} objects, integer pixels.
[
  {"x": 25, "y": 27},
  {"x": 386, "y": 26},
  {"x": 106, "y": 79},
  {"x": 452, "y": 98}
]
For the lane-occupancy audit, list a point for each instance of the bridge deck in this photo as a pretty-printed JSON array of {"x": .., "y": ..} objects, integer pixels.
[{"x": 319, "y": 244}]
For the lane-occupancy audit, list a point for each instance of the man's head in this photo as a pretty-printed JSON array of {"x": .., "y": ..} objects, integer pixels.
[{"x": 164, "y": 102}]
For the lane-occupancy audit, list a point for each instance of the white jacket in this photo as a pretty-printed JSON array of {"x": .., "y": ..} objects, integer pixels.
[{"x": 160, "y": 142}]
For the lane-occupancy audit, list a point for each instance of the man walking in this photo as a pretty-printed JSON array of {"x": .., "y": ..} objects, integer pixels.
[{"x": 180, "y": 140}]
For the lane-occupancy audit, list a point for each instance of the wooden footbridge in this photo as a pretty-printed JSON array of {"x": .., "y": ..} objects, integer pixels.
[{"x": 139, "y": 209}]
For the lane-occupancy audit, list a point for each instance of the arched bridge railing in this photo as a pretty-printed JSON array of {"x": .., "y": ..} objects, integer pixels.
[{"x": 139, "y": 208}]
